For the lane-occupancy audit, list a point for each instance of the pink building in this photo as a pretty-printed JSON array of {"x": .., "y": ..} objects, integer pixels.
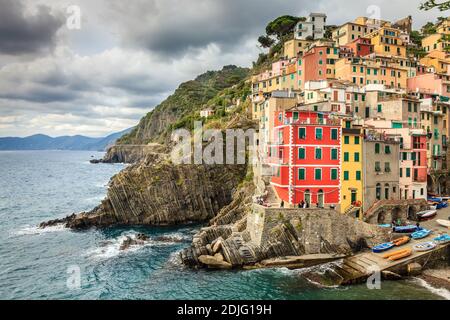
[{"x": 430, "y": 83}]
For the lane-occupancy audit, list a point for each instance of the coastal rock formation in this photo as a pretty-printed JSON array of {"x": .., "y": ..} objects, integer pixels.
[
  {"x": 282, "y": 233},
  {"x": 156, "y": 192},
  {"x": 130, "y": 153}
]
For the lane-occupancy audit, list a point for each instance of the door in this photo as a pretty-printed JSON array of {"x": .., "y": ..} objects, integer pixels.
[
  {"x": 308, "y": 198},
  {"x": 354, "y": 196},
  {"x": 320, "y": 199}
]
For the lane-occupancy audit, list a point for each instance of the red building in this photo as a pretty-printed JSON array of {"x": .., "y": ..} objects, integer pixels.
[
  {"x": 306, "y": 157},
  {"x": 315, "y": 64},
  {"x": 361, "y": 47}
]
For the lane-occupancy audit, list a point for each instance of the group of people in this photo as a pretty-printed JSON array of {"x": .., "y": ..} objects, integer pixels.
[{"x": 301, "y": 205}]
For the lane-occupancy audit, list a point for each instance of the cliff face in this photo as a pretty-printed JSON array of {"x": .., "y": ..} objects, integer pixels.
[{"x": 156, "y": 192}]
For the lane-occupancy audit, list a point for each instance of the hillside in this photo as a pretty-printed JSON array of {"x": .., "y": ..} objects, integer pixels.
[{"x": 183, "y": 105}]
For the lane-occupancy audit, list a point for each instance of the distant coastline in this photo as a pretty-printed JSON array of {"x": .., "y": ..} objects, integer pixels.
[{"x": 75, "y": 143}]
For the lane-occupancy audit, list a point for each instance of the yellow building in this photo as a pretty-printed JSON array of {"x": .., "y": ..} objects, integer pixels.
[
  {"x": 352, "y": 179},
  {"x": 364, "y": 71},
  {"x": 438, "y": 60},
  {"x": 349, "y": 32},
  {"x": 295, "y": 48},
  {"x": 387, "y": 41}
]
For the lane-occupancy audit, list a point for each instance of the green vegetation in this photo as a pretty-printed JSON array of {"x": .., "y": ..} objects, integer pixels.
[
  {"x": 431, "y": 4},
  {"x": 182, "y": 108}
]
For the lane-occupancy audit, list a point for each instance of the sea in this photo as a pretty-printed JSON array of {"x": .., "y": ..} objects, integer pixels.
[{"x": 57, "y": 263}]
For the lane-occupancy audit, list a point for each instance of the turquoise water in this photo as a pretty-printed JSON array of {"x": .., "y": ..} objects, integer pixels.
[{"x": 42, "y": 185}]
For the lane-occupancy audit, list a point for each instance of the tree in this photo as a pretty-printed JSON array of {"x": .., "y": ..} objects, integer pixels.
[
  {"x": 282, "y": 26},
  {"x": 266, "y": 41},
  {"x": 431, "y": 4},
  {"x": 429, "y": 28}
]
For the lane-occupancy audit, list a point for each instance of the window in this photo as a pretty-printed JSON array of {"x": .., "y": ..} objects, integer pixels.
[
  {"x": 380, "y": 108},
  {"x": 377, "y": 148},
  {"x": 301, "y": 174},
  {"x": 356, "y": 140},
  {"x": 377, "y": 166},
  {"x": 334, "y": 134},
  {"x": 387, "y": 149},
  {"x": 318, "y": 153},
  {"x": 319, "y": 133},
  {"x": 346, "y": 157},
  {"x": 401, "y": 172},
  {"x": 302, "y": 133},
  {"x": 334, "y": 154},
  {"x": 301, "y": 153},
  {"x": 358, "y": 175},
  {"x": 356, "y": 156},
  {"x": 346, "y": 176},
  {"x": 378, "y": 191},
  {"x": 387, "y": 167},
  {"x": 408, "y": 172},
  {"x": 318, "y": 174},
  {"x": 334, "y": 174}
]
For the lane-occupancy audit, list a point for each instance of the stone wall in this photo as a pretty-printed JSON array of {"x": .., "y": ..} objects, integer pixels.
[{"x": 385, "y": 211}]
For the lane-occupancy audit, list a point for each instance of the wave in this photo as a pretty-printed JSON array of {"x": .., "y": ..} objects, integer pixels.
[
  {"x": 112, "y": 248},
  {"x": 30, "y": 230},
  {"x": 442, "y": 292}
]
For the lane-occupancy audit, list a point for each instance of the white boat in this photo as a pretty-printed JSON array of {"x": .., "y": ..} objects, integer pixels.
[
  {"x": 426, "y": 214},
  {"x": 433, "y": 207},
  {"x": 444, "y": 223},
  {"x": 426, "y": 246}
]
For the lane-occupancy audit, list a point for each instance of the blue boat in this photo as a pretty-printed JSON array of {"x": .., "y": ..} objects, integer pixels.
[
  {"x": 406, "y": 229},
  {"x": 442, "y": 239},
  {"x": 384, "y": 225},
  {"x": 421, "y": 234},
  {"x": 383, "y": 247}
]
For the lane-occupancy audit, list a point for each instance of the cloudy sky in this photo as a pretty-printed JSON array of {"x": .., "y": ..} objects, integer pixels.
[{"x": 129, "y": 55}]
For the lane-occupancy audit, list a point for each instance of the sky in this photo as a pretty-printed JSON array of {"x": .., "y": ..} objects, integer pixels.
[{"x": 101, "y": 75}]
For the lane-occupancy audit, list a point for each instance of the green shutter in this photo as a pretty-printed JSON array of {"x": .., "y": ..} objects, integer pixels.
[
  {"x": 334, "y": 134},
  {"x": 334, "y": 174},
  {"x": 301, "y": 174},
  {"x": 346, "y": 157},
  {"x": 318, "y": 154},
  {"x": 302, "y": 133},
  {"x": 334, "y": 154},
  {"x": 356, "y": 140},
  {"x": 347, "y": 140},
  {"x": 318, "y": 174},
  {"x": 301, "y": 153},
  {"x": 358, "y": 175},
  {"x": 346, "y": 176},
  {"x": 356, "y": 156},
  {"x": 377, "y": 148},
  {"x": 319, "y": 134}
]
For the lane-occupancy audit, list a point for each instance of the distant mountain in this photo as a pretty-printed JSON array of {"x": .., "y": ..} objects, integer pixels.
[{"x": 43, "y": 142}]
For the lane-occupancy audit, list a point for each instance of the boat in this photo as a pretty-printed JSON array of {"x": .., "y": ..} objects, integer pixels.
[
  {"x": 401, "y": 241},
  {"x": 406, "y": 229},
  {"x": 421, "y": 234},
  {"x": 443, "y": 223},
  {"x": 433, "y": 207},
  {"x": 425, "y": 246},
  {"x": 394, "y": 253},
  {"x": 443, "y": 239},
  {"x": 442, "y": 205},
  {"x": 385, "y": 225},
  {"x": 425, "y": 215},
  {"x": 401, "y": 255},
  {"x": 383, "y": 247}
]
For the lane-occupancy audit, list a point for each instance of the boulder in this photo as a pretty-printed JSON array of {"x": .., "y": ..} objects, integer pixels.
[{"x": 214, "y": 263}]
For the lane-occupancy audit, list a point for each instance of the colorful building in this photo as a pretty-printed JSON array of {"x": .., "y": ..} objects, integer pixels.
[
  {"x": 306, "y": 158},
  {"x": 352, "y": 177}
]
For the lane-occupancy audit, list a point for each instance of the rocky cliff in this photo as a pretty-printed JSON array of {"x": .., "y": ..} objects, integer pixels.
[
  {"x": 282, "y": 233},
  {"x": 156, "y": 192}
]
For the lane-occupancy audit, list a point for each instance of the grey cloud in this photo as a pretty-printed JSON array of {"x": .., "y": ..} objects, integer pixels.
[{"x": 21, "y": 34}]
